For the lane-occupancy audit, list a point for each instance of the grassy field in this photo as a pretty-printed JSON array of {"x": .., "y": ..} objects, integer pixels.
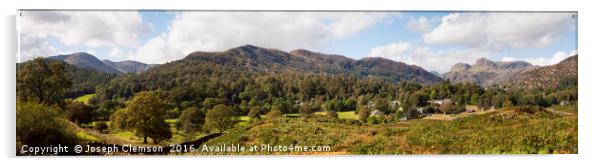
[
  {"x": 343, "y": 115},
  {"x": 497, "y": 132},
  {"x": 85, "y": 98}
]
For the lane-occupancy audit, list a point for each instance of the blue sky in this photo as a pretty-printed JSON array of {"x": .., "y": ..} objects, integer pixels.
[{"x": 432, "y": 40}]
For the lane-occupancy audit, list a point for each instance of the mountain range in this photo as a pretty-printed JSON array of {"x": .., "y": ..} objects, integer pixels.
[
  {"x": 562, "y": 74},
  {"x": 251, "y": 58},
  {"x": 88, "y": 61},
  {"x": 486, "y": 72}
]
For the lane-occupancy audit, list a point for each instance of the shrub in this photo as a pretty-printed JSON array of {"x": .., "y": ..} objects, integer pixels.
[
  {"x": 306, "y": 110},
  {"x": 363, "y": 113},
  {"x": 101, "y": 126},
  {"x": 375, "y": 120},
  {"x": 274, "y": 115},
  {"x": 529, "y": 109},
  {"x": 78, "y": 112},
  {"x": 255, "y": 112},
  {"x": 39, "y": 125},
  {"x": 332, "y": 114}
]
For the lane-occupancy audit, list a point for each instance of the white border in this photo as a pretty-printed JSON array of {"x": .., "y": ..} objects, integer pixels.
[{"x": 589, "y": 71}]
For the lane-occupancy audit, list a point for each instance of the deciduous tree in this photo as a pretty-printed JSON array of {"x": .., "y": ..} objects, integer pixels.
[{"x": 145, "y": 116}]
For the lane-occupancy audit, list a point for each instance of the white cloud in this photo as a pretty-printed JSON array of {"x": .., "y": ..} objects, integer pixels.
[
  {"x": 92, "y": 28},
  {"x": 422, "y": 24},
  {"x": 501, "y": 30},
  {"x": 544, "y": 61},
  {"x": 31, "y": 47},
  {"x": 431, "y": 60},
  {"x": 89, "y": 28},
  {"x": 116, "y": 52},
  {"x": 218, "y": 31},
  {"x": 393, "y": 51}
]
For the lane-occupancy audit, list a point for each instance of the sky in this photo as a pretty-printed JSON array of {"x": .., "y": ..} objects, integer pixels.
[{"x": 433, "y": 40}]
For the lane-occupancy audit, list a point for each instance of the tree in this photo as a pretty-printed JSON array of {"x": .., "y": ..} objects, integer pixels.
[
  {"x": 107, "y": 107},
  {"x": 220, "y": 118},
  {"x": 349, "y": 104},
  {"x": 363, "y": 113},
  {"x": 191, "y": 120},
  {"x": 78, "y": 112},
  {"x": 255, "y": 112},
  {"x": 336, "y": 105},
  {"x": 210, "y": 102},
  {"x": 40, "y": 125},
  {"x": 145, "y": 116},
  {"x": 42, "y": 81},
  {"x": 382, "y": 105},
  {"x": 284, "y": 106},
  {"x": 418, "y": 100},
  {"x": 474, "y": 99},
  {"x": 433, "y": 95}
]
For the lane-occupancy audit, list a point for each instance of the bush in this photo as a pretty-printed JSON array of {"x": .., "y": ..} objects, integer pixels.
[
  {"x": 363, "y": 113},
  {"x": 375, "y": 120},
  {"x": 529, "y": 109},
  {"x": 459, "y": 109},
  {"x": 306, "y": 110},
  {"x": 78, "y": 112},
  {"x": 332, "y": 114},
  {"x": 39, "y": 125},
  {"x": 255, "y": 112},
  {"x": 101, "y": 126},
  {"x": 274, "y": 115}
]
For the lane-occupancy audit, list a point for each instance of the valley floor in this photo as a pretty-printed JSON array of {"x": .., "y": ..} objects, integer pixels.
[{"x": 489, "y": 132}]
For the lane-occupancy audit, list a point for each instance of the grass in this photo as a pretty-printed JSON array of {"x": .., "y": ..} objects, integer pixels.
[
  {"x": 499, "y": 132},
  {"x": 571, "y": 108},
  {"x": 85, "y": 98},
  {"x": 86, "y": 137},
  {"x": 343, "y": 115},
  {"x": 496, "y": 133},
  {"x": 243, "y": 120}
]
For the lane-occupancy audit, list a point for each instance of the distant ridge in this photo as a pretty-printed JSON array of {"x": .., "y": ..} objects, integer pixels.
[
  {"x": 128, "y": 66},
  {"x": 85, "y": 60},
  {"x": 486, "y": 72},
  {"x": 558, "y": 75},
  {"x": 88, "y": 61},
  {"x": 253, "y": 58}
]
